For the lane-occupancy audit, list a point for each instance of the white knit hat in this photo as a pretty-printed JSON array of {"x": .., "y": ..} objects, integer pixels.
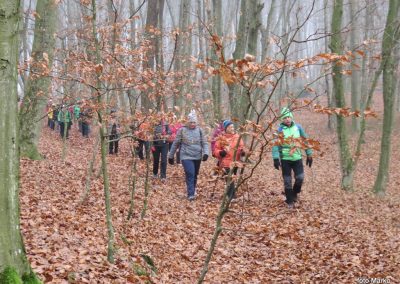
[{"x": 192, "y": 117}]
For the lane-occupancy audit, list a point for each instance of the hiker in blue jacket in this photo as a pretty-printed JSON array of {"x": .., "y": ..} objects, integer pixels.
[{"x": 194, "y": 149}]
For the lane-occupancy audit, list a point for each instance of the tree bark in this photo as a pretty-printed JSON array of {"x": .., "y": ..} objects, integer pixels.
[
  {"x": 150, "y": 60},
  {"x": 103, "y": 145},
  {"x": 37, "y": 89},
  {"x": 336, "y": 46},
  {"x": 240, "y": 49},
  {"x": 390, "y": 37},
  {"x": 216, "y": 80},
  {"x": 355, "y": 71},
  {"x": 12, "y": 251}
]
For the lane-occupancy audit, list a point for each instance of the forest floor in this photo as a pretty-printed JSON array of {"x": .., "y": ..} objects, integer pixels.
[{"x": 330, "y": 237}]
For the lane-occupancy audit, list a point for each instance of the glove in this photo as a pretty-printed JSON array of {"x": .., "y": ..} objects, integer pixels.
[
  {"x": 277, "y": 164},
  {"x": 205, "y": 157},
  {"x": 242, "y": 153},
  {"x": 171, "y": 161},
  {"x": 309, "y": 161},
  {"x": 222, "y": 153}
]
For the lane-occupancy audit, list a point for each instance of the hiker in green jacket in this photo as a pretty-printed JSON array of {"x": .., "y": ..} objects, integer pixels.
[
  {"x": 289, "y": 158},
  {"x": 64, "y": 120}
]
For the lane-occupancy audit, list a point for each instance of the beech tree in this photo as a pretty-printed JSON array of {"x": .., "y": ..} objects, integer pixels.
[
  {"x": 38, "y": 84},
  {"x": 13, "y": 261},
  {"x": 389, "y": 65}
]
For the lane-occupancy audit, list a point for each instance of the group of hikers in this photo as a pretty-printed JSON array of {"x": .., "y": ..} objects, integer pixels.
[
  {"x": 62, "y": 117},
  {"x": 187, "y": 144}
]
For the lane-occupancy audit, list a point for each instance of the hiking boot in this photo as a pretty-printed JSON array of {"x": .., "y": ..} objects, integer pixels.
[
  {"x": 290, "y": 205},
  {"x": 191, "y": 198}
]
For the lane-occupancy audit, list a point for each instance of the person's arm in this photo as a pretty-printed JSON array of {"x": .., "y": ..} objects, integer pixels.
[
  {"x": 217, "y": 151},
  {"x": 175, "y": 144},
  {"x": 204, "y": 143},
  {"x": 303, "y": 134}
]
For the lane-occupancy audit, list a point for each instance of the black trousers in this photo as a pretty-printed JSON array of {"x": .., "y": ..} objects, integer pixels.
[
  {"x": 62, "y": 127},
  {"x": 231, "y": 189},
  {"x": 160, "y": 152},
  {"x": 291, "y": 190},
  {"x": 113, "y": 145},
  {"x": 139, "y": 148},
  {"x": 85, "y": 129}
]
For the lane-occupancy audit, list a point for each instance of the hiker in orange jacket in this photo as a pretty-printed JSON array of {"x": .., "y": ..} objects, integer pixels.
[{"x": 225, "y": 149}]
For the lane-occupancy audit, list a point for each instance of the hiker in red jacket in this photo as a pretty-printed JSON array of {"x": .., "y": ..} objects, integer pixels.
[{"x": 224, "y": 150}]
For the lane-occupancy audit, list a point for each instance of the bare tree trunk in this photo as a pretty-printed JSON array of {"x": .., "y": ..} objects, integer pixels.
[
  {"x": 265, "y": 32},
  {"x": 180, "y": 53},
  {"x": 150, "y": 60},
  {"x": 390, "y": 38},
  {"x": 336, "y": 46},
  {"x": 355, "y": 71},
  {"x": 240, "y": 50},
  {"x": 331, "y": 103},
  {"x": 216, "y": 80},
  {"x": 103, "y": 145},
  {"x": 254, "y": 28},
  {"x": 12, "y": 251},
  {"x": 37, "y": 89},
  {"x": 89, "y": 172}
]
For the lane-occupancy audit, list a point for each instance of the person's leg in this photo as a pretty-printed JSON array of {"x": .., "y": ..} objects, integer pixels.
[
  {"x": 178, "y": 155},
  {"x": 139, "y": 149},
  {"x": 298, "y": 177},
  {"x": 287, "y": 181},
  {"x": 231, "y": 190},
  {"x": 189, "y": 168},
  {"x": 68, "y": 127},
  {"x": 110, "y": 145},
  {"x": 164, "y": 159},
  {"x": 147, "y": 149},
  {"x": 116, "y": 145},
  {"x": 85, "y": 129},
  {"x": 62, "y": 129},
  {"x": 156, "y": 160},
  {"x": 196, "y": 171}
]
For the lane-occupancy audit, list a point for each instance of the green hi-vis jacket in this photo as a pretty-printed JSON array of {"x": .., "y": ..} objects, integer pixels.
[{"x": 284, "y": 151}]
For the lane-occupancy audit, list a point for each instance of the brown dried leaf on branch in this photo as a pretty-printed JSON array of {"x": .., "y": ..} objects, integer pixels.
[{"x": 345, "y": 112}]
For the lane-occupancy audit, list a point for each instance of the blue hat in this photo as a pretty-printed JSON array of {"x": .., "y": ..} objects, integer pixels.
[{"x": 227, "y": 123}]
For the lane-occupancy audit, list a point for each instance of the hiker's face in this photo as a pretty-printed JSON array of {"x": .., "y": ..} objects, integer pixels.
[
  {"x": 230, "y": 129},
  {"x": 192, "y": 124},
  {"x": 287, "y": 120}
]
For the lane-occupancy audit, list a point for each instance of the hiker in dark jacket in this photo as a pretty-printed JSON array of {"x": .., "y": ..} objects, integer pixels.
[
  {"x": 160, "y": 149},
  {"x": 289, "y": 158},
  {"x": 84, "y": 118},
  {"x": 113, "y": 136},
  {"x": 194, "y": 149}
]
